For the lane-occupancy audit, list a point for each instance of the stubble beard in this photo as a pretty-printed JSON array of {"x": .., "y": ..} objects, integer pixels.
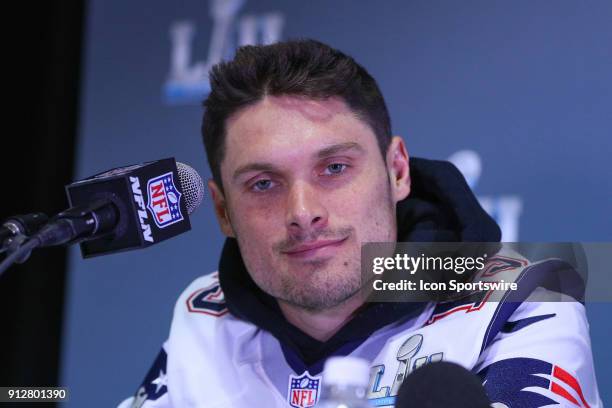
[{"x": 325, "y": 287}]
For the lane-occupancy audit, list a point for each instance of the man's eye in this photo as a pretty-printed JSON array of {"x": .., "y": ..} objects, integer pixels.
[
  {"x": 262, "y": 185},
  {"x": 335, "y": 168}
]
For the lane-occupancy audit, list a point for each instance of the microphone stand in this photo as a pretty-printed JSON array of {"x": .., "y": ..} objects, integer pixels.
[
  {"x": 14, "y": 237},
  {"x": 17, "y": 228},
  {"x": 68, "y": 227}
]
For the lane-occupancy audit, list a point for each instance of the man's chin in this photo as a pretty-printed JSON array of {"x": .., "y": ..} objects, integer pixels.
[
  {"x": 321, "y": 267},
  {"x": 317, "y": 299}
]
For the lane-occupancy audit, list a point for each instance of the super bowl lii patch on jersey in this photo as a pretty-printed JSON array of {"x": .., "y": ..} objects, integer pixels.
[
  {"x": 164, "y": 200},
  {"x": 303, "y": 390}
]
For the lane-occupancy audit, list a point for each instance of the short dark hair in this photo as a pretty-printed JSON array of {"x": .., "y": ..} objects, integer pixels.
[{"x": 299, "y": 67}]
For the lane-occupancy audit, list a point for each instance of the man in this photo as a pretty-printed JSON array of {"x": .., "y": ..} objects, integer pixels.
[{"x": 305, "y": 169}]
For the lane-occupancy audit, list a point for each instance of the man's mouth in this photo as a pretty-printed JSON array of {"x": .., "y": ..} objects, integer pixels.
[{"x": 316, "y": 248}]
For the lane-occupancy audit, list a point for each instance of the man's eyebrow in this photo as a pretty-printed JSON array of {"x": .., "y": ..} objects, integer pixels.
[
  {"x": 325, "y": 152},
  {"x": 253, "y": 167},
  {"x": 337, "y": 148}
]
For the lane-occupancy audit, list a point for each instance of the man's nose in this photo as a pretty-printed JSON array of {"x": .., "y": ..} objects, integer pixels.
[{"x": 305, "y": 211}]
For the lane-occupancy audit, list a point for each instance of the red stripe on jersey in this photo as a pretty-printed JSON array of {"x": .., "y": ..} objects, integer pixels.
[
  {"x": 567, "y": 378},
  {"x": 557, "y": 389}
]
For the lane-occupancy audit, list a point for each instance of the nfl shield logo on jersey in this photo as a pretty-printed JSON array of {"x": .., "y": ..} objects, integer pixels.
[
  {"x": 303, "y": 390},
  {"x": 164, "y": 200}
]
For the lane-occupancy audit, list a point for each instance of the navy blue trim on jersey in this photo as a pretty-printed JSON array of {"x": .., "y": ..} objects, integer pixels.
[
  {"x": 514, "y": 326},
  {"x": 154, "y": 384},
  {"x": 555, "y": 275},
  {"x": 501, "y": 316},
  {"x": 505, "y": 309}
]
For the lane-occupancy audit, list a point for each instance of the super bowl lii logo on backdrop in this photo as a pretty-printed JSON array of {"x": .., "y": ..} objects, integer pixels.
[
  {"x": 506, "y": 209},
  {"x": 187, "y": 81}
]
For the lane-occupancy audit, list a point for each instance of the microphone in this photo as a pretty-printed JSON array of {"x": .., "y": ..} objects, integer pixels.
[
  {"x": 126, "y": 208},
  {"x": 442, "y": 385}
]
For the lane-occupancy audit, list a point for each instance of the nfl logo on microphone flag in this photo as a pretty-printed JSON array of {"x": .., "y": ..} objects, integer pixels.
[{"x": 148, "y": 198}]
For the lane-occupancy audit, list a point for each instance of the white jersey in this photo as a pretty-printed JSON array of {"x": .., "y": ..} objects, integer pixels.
[{"x": 528, "y": 354}]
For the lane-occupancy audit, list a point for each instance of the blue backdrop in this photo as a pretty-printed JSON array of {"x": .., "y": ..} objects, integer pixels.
[{"x": 517, "y": 94}]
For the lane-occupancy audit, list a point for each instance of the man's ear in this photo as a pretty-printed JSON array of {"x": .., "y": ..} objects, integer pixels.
[
  {"x": 398, "y": 169},
  {"x": 221, "y": 210}
]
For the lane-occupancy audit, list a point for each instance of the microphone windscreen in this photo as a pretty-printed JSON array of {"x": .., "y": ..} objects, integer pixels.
[
  {"x": 442, "y": 384},
  {"x": 192, "y": 184}
]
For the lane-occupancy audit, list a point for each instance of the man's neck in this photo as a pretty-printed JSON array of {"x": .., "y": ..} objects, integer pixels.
[{"x": 323, "y": 324}]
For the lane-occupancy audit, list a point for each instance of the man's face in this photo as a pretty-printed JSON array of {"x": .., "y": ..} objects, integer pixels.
[{"x": 304, "y": 185}]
